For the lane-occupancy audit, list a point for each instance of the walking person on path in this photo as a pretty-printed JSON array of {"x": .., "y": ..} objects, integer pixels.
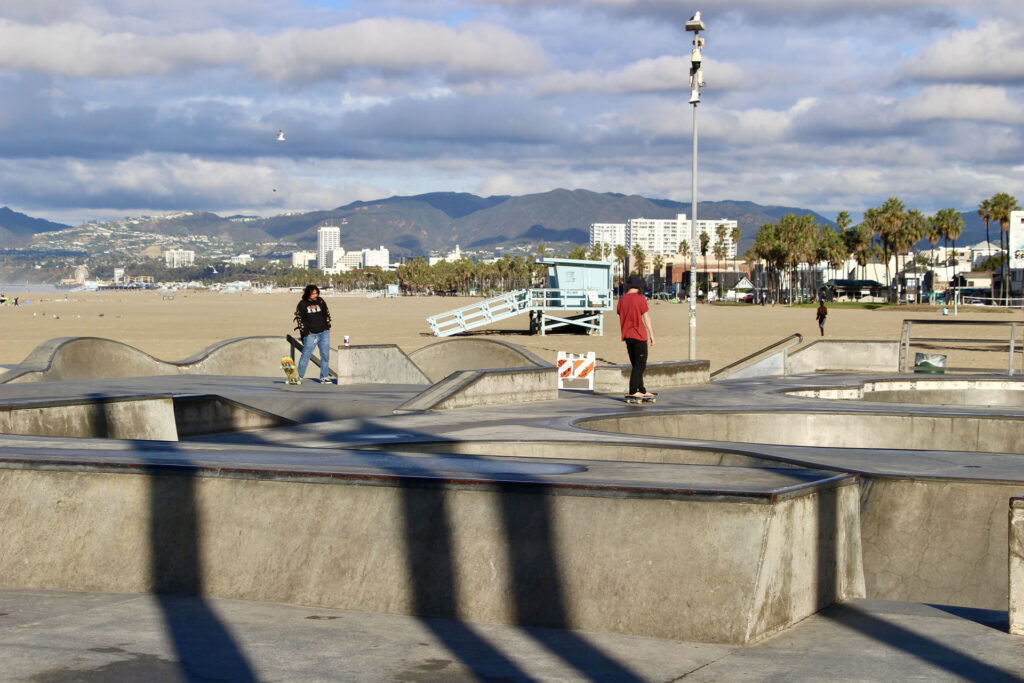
[
  {"x": 635, "y": 321},
  {"x": 822, "y": 314},
  {"x": 313, "y": 321}
]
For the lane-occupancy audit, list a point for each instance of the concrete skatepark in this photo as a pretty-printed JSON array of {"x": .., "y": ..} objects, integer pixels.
[{"x": 454, "y": 496}]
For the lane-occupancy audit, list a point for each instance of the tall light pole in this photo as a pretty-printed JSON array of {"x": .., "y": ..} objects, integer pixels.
[{"x": 696, "y": 82}]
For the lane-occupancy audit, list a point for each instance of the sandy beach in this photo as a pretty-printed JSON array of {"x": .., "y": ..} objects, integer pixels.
[{"x": 173, "y": 326}]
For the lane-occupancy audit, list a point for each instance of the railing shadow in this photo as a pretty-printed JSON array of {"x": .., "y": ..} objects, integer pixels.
[{"x": 204, "y": 647}]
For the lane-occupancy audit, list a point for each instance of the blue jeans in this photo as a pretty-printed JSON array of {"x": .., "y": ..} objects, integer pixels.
[{"x": 323, "y": 340}]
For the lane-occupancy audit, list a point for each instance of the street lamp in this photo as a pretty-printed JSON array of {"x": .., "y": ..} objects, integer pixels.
[{"x": 696, "y": 82}]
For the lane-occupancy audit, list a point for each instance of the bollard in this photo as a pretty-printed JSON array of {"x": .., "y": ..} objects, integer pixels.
[{"x": 1017, "y": 565}]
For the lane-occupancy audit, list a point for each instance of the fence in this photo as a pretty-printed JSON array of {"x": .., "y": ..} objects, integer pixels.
[{"x": 1010, "y": 342}]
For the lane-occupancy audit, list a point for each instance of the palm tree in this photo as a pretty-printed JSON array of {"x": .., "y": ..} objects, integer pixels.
[
  {"x": 985, "y": 214},
  {"x": 658, "y": 263},
  {"x": 892, "y": 217},
  {"x": 950, "y": 223},
  {"x": 843, "y": 221},
  {"x": 639, "y": 258},
  {"x": 705, "y": 240},
  {"x": 1000, "y": 207},
  {"x": 719, "y": 251},
  {"x": 734, "y": 235},
  {"x": 621, "y": 254},
  {"x": 684, "y": 248}
]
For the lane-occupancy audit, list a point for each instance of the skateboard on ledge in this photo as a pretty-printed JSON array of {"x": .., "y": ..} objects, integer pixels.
[
  {"x": 641, "y": 399},
  {"x": 291, "y": 373}
]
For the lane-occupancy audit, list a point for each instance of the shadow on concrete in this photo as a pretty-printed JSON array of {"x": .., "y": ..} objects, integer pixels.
[
  {"x": 993, "y": 618},
  {"x": 205, "y": 649},
  {"x": 922, "y": 647}
]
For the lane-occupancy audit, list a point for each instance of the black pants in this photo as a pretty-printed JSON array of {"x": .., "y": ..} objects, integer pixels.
[{"x": 637, "y": 350}]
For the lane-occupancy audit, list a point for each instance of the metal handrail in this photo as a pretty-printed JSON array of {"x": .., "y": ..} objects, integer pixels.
[
  {"x": 906, "y": 338},
  {"x": 799, "y": 338},
  {"x": 296, "y": 345}
]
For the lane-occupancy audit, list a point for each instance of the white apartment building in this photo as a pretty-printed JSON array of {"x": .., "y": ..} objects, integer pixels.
[
  {"x": 661, "y": 235},
  {"x": 179, "y": 258},
  {"x": 328, "y": 237},
  {"x": 301, "y": 259},
  {"x": 379, "y": 257},
  {"x": 607, "y": 233}
]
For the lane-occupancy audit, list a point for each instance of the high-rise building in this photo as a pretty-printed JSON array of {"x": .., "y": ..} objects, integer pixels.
[
  {"x": 328, "y": 237},
  {"x": 302, "y": 259},
  {"x": 179, "y": 258},
  {"x": 660, "y": 235}
]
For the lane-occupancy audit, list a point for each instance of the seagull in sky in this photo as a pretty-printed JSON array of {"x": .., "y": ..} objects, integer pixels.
[{"x": 280, "y": 136}]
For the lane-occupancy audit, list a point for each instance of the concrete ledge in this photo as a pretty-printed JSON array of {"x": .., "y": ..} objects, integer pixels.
[
  {"x": 157, "y": 418},
  {"x": 376, "y": 364},
  {"x": 612, "y": 379},
  {"x": 844, "y": 356},
  {"x": 440, "y": 359},
  {"x": 72, "y": 358},
  {"x": 1016, "y": 565},
  {"x": 131, "y": 418},
  {"x": 469, "y": 388},
  {"x": 902, "y": 430},
  {"x": 737, "y": 571}
]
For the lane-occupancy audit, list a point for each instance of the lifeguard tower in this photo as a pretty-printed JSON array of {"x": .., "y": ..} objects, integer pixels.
[{"x": 578, "y": 293}]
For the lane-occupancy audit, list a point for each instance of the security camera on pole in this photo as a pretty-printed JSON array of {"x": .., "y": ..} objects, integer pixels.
[{"x": 696, "y": 83}]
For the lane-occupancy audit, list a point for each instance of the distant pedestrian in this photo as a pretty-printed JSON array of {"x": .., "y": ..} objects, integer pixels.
[
  {"x": 635, "y": 321},
  {"x": 313, "y": 321},
  {"x": 822, "y": 314}
]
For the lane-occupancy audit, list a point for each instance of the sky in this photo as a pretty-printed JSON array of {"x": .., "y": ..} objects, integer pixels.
[{"x": 113, "y": 108}]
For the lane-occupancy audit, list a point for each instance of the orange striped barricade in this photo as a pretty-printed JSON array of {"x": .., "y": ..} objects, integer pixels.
[{"x": 574, "y": 370}]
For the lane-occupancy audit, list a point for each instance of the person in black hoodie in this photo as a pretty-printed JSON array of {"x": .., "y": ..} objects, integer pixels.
[{"x": 313, "y": 321}]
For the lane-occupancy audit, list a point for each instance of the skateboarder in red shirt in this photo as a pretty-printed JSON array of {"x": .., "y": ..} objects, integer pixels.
[{"x": 635, "y": 321}]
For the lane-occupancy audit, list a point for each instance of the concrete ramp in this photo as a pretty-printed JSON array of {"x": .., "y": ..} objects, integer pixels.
[
  {"x": 442, "y": 358},
  {"x": 151, "y": 418},
  {"x": 696, "y": 553},
  {"x": 73, "y": 358}
]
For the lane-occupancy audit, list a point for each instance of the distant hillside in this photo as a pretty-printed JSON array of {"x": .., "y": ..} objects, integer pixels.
[
  {"x": 418, "y": 224},
  {"x": 16, "y": 228}
]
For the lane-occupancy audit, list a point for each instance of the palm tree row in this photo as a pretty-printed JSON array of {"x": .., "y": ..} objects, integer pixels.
[
  {"x": 998, "y": 208},
  {"x": 887, "y": 231}
]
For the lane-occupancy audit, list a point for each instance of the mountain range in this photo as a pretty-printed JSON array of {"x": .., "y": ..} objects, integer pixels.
[{"x": 413, "y": 225}]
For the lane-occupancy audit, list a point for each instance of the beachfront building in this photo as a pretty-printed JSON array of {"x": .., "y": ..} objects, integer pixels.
[
  {"x": 179, "y": 258},
  {"x": 660, "y": 235},
  {"x": 379, "y": 258},
  {"x": 452, "y": 257},
  {"x": 304, "y": 259},
  {"x": 328, "y": 238}
]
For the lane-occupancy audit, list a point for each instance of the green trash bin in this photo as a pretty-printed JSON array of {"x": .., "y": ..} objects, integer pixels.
[{"x": 929, "y": 363}]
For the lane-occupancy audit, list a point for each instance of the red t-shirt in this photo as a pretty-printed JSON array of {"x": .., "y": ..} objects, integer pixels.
[{"x": 631, "y": 309}]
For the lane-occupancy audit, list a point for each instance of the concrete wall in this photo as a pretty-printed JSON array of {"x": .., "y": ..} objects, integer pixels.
[
  {"x": 826, "y": 355},
  {"x": 1016, "y": 565},
  {"x": 614, "y": 379},
  {"x": 840, "y": 430},
  {"x": 376, "y": 364},
  {"x": 938, "y": 542},
  {"x": 71, "y": 358},
  {"x": 468, "y": 388},
  {"x": 591, "y": 450},
  {"x": 142, "y": 418},
  {"x": 158, "y": 418},
  {"x": 440, "y": 359},
  {"x": 694, "y": 570}
]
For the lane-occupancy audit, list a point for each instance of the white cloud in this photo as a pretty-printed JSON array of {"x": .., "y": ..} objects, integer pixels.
[
  {"x": 661, "y": 74},
  {"x": 991, "y": 52},
  {"x": 394, "y": 45},
  {"x": 975, "y": 102}
]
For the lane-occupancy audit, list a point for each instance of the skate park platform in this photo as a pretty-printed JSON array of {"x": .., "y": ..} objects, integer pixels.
[{"x": 721, "y": 521}]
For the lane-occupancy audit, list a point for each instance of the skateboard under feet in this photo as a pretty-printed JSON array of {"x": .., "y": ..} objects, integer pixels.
[{"x": 641, "y": 399}]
